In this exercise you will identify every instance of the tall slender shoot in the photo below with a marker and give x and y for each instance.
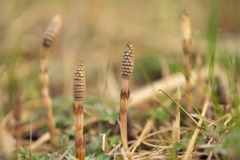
(48, 39)
(186, 33)
(126, 74)
(78, 116)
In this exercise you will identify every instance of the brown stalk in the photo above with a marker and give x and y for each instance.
(126, 74)
(48, 38)
(186, 31)
(17, 117)
(78, 115)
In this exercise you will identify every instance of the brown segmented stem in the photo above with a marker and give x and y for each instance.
(126, 74)
(79, 83)
(78, 115)
(186, 33)
(48, 38)
(127, 62)
(52, 31)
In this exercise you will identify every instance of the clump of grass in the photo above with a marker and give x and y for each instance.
(48, 39)
(126, 74)
(78, 116)
(186, 33)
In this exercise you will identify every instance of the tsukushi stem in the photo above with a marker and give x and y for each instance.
(48, 38)
(186, 31)
(126, 74)
(78, 116)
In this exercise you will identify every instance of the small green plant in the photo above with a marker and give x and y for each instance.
(24, 153)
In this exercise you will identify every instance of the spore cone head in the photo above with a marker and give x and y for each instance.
(79, 83)
(52, 31)
(127, 62)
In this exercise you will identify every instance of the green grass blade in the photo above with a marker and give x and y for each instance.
(194, 106)
(212, 38)
(160, 90)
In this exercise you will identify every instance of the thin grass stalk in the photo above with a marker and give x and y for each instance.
(78, 115)
(147, 128)
(176, 123)
(48, 38)
(17, 117)
(178, 107)
(160, 90)
(30, 146)
(171, 113)
(186, 31)
(126, 74)
(175, 137)
(63, 145)
(194, 136)
(238, 73)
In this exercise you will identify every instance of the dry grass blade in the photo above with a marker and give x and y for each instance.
(194, 137)
(145, 130)
(65, 153)
(175, 134)
(212, 122)
(114, 149)
(176, 123)
(105, 146)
